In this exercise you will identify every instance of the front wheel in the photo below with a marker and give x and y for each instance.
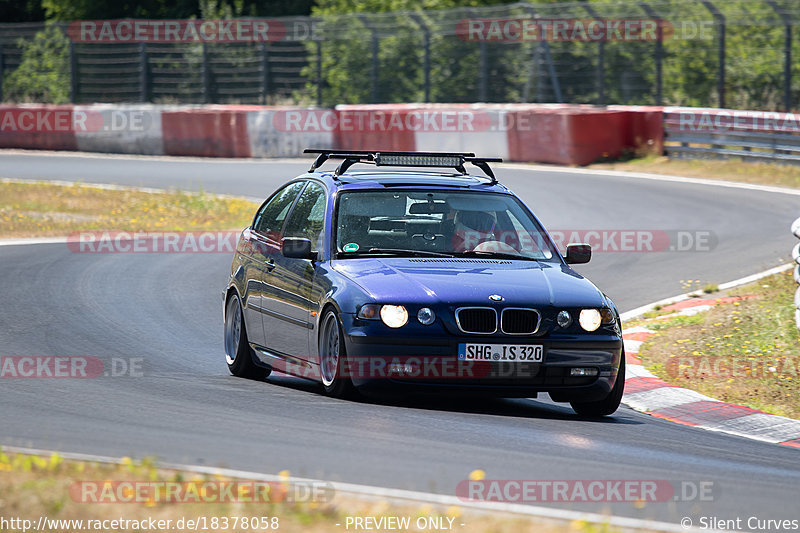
(610, 403)
(333, 358)
(237, 350)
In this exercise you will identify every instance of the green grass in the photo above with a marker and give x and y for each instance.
(746, 352)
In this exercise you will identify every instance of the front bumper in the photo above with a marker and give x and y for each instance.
(429, 363)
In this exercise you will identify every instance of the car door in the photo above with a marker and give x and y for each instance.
(288, 297)
(263, 245)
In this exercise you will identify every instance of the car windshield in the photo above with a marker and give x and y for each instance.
(438, 223)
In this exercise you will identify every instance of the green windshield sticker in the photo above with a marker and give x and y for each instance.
(350, 247)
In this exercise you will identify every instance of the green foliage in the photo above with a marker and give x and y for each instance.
(167, 9)
(43, 75)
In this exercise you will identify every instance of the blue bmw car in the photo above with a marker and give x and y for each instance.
(424, 279)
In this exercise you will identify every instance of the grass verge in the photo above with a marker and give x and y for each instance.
(730, 169)
(33, 486)
(44, 210)
(746, 352)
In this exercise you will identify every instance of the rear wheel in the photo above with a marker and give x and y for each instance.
(333, 358)
(610, 403)
(238, 354)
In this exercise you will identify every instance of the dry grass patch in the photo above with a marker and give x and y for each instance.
(746, 352)
(42, 210)
(33, 486)
(730, 169)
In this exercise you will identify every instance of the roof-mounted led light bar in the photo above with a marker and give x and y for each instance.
(454, 160)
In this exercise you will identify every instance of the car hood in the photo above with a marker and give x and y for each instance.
(470, 281)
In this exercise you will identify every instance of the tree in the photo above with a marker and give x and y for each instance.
(43, 74)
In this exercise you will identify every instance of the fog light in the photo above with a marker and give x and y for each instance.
(401, 368)
(564, 319)
(582, 372)
(426, 316)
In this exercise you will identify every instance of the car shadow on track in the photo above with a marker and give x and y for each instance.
(510, 407)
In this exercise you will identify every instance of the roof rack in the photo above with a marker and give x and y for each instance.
(383, 158)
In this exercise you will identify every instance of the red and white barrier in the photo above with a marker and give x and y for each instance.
(120, 129)
(548, 133)
(286, 132)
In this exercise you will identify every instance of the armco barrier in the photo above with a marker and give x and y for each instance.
(723, 133)
(547, 133)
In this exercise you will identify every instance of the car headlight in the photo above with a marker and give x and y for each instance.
(426, 316)
(564, 319)
(590, 319)
(394, 316)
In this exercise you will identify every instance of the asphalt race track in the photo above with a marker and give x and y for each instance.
(166, 309)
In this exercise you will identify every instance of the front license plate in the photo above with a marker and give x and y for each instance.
(500, 352)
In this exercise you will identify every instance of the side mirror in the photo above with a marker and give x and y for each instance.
(297, 248)
(578, 253)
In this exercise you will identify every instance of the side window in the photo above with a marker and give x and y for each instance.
(270, 217)
(307, 218)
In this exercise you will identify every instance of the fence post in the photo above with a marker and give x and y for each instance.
(787, 68)
(786, 16)
(796, 258)
(319, 73)
(483, 65)
(426, 58)
(206, 71)
(720, 20)
(375, 50)
(600, 71)
(264, 72)
(73, 74)
(659, 51)
(144, 78)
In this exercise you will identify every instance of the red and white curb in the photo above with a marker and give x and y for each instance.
(649, 394)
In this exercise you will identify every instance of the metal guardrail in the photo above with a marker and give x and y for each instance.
(753, 136)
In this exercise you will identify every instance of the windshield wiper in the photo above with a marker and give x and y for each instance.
(394, 251)
(498, 255)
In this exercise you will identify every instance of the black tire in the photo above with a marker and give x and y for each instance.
(238, 354)
(333, 358)
(610, 403)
